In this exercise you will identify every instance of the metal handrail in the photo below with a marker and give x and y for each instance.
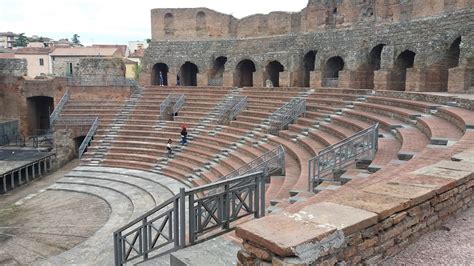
(286, 114)
(267, 163)
(164, 228)
(237, 109)
(57, 111)
(342, 154)
(27, 171)
(89, 136)
(179, 103)
(178, 99)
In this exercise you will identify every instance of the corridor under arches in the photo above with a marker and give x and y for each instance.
(308, 66)
(404, 61)
(331, 71)
(244, 73)
(188, 74)
(155, 76)
(272, 71)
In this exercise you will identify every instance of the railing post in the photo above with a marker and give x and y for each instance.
(176, 221)
(226, 202)
(117, 249)
(182, 217)
(145, 239)
(191, 219)
(261, 194)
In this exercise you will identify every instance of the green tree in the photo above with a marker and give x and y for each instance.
(21, 41)
(75, 38)
(138, 71)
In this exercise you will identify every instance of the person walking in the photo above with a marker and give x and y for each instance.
(161, 79)
(168, 147)
(184, 135)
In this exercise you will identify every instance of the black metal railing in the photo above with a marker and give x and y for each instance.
(342, 154)
(189, 218)
(57, 111)
(87, 140)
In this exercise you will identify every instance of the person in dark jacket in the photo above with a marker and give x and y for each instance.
(184, 135)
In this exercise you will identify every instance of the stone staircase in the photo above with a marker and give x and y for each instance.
(104, 144)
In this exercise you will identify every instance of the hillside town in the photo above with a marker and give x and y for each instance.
(48, 58)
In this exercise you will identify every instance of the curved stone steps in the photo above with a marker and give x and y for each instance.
(141, 200)
(156, 191)
(462, 118)
(420, 106)
(438, 130)
(388, 150)
(167, 183)
(403, 114)
(412, 142)
(97, 249)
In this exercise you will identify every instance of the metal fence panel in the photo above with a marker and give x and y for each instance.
(8, 132)
(340, 155)
(88, 138)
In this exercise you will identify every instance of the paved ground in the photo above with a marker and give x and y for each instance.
(36, 224)
(451, 245)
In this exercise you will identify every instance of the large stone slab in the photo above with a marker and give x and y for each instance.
(442, 171)
(345, 218)
(383, 205)
(465, 156)
(282, 234)
(415, 193)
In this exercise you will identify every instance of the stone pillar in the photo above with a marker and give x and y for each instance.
(202, 80)
(382, 80)
(460, 79)
(415, 79)
(294, 79)
(345, 79)
(315, 79)
(258, 79)
(228, 79)
(145, 79)
(285, 80)
(172, 78)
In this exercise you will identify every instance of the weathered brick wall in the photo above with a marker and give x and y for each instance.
(367, 243)
(61, 64)
(13, 67)
(430, 39)
(319, 15)
(100, 71)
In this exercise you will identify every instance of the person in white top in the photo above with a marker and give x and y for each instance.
(168, 147)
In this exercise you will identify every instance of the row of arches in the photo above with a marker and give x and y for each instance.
(201, 24)
(243, 74)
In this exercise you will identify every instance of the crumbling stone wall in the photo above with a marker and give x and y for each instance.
(13, 67)
(319, 15)
(429, 39)
(100, 71)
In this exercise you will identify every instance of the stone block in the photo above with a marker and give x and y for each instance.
(283, 233)
(258, 252)
(415, 193)
(345, 218)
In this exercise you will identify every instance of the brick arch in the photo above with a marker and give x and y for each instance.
(244, 70)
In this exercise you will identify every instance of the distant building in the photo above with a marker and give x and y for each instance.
(7, 39)
(65, 60)
(137, 56)
(123, 49)
(130, 68)
(137, 45)
(37, 58)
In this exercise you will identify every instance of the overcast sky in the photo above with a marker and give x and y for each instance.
(113, 21)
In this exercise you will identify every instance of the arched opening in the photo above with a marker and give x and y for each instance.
(159, 74)
(244, 73)
(404, 61)
(201, 24)
(169, 24)
(375, 59)
(188, 74)
(331, 71)
(273, 70)
(454, 53)
(308, 66)
(216, 74)
(39, 108)
(77, 143)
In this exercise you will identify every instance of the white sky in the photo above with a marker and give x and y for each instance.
(113, 21)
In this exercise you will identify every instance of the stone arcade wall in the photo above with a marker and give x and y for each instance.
(13, 67)
(429, 38)
(319, 15)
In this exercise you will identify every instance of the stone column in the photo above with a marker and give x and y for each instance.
(202, 80)
(460, 79)
(172, 78)
(415, 79)
(228, 79)
(285, 80)
(258, 79)
(315, 79)
(382, 80)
